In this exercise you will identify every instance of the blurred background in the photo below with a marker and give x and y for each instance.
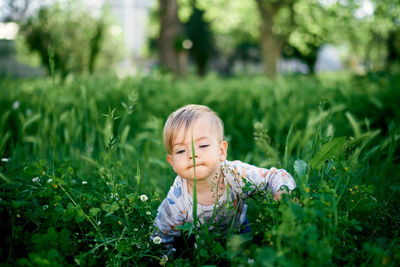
(198, 37)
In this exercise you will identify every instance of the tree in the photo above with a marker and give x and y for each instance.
(199, 32)
(12, 10)
(271, 39)
(79, 42)
(172, 54)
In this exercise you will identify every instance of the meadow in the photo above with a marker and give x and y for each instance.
(78, 156)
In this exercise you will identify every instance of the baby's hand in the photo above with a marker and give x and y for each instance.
(278, 194)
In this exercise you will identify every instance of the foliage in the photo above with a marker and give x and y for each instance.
(77, 158)
(74, 36)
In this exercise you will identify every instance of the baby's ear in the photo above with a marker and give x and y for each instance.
(223, 146)
(169, 159)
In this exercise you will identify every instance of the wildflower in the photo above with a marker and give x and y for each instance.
(119, 222)
(157, 240)
(346, 169)
(164, 260)
(135, 229)
(143, 198)
(84, 182)
(350, 189)
(385, 260)
(45, 207)
(50, 180)
(356, 187)
(55, 186)
(36, 180)
(250, 261)
(5, 159)
(99, 222)
(308, 190)
(18, 216)
(148, 212)
(16, 104)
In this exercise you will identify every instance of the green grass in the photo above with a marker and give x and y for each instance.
(79, 154)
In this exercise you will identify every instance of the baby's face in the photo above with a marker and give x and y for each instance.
(208, 150)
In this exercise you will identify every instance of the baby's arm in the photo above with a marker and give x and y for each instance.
(169, 215)
(263, 179)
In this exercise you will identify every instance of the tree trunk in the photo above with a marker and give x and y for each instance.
(172, 54)
(271, 44)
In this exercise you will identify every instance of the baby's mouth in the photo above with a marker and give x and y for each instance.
(197, 165)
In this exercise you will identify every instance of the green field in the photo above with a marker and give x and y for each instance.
(77, 155)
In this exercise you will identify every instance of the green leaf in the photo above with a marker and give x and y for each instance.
(80, 215)
(31, 120)
(327, 151)
(354, 124)
(94, 211)
(300, 167)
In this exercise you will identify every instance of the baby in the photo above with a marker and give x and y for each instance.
(218, 181)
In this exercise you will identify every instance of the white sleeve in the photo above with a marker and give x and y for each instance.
(252, 179)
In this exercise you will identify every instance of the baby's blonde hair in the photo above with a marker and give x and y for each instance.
(186, 116)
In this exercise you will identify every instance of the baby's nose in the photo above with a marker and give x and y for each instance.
(191, 154)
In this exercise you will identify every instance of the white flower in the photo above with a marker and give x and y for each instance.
(16, 104)
(50, 180)
(5, 159)
(157, 240)
(143, 198)
(148, 212)
(250, 261)
(36, 179)
(135, 229)
(164, 260)
(84, 182)
(99, 222)
(45, 207)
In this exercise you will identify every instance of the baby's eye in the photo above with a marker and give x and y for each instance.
(180, 151)
(204, 146)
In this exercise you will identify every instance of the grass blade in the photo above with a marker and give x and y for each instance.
(327, 150)
(194, 189)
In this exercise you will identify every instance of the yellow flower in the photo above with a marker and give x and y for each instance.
(350, 189)
(55, 186)
(308, 190)
(385, 260)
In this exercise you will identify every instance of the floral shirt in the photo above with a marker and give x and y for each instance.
(240, 179)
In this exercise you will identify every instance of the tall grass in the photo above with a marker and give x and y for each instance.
(94, 143)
